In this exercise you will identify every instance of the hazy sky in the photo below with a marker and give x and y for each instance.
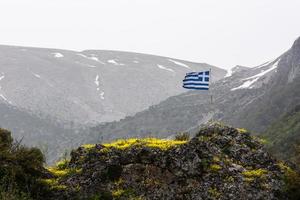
(223, 33)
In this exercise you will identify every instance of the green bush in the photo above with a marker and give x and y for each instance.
(20, 169)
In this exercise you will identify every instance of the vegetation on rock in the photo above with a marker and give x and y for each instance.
(220, 162)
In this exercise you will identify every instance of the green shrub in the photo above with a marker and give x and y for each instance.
(292, 182)
(20, 169)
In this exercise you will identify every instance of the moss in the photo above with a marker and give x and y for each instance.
(229, 179)
(215, 167)
(119, 182)
(292, 181)
(284, 168)
(53, 184)
(57, 172)
(216, 159)
(120, 193)
(162, 144)
(214, 193)
(62, 164)
(151, 182)
(105, 150)
(248, 179)
(242, 130)
(256, 173)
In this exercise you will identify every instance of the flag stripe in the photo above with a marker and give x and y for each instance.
(191, 75)
(195, 88)
(196, 83)
(191, 79)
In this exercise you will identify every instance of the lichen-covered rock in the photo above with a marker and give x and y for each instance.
(220, 162)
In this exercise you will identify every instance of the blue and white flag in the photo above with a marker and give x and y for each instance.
(197, 80)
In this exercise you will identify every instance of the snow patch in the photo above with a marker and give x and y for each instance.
(179, 63)
(58, 55)
(253, 79)
(274, 66)
(165, 68)
(1, 95)
(229, 73)
(102, 95)
(2, 76)
(97, 80)
(92, 57)
(96, 59)
(111, 61)
(246, 84)
(82, 55)
(36, 75)
(135, 61)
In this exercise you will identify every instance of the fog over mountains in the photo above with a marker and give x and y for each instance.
(252, 98)
(59, 99)
(90, 86)
(49, 97)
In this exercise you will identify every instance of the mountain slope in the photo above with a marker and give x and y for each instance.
(250, 97)
(90, 86)
(52, 137)
(283, 136)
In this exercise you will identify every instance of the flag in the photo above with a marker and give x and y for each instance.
(197, 80)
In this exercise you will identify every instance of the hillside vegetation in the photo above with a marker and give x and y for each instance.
(283, 136)
(220, 162)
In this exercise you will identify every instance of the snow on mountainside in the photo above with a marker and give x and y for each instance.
(90, 86)
(49, 97)
(247, 97)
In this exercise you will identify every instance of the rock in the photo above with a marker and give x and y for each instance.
(220, 162)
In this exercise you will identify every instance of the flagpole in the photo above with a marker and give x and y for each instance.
(210, 80)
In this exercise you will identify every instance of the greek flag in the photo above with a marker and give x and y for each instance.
(197, 80)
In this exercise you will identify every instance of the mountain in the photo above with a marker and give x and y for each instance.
(220, 162)
(91, 86)
(249, 97)
(51, 137)
(49, 97)
(283, 136)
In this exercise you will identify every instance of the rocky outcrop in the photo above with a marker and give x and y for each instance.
(220, 162)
